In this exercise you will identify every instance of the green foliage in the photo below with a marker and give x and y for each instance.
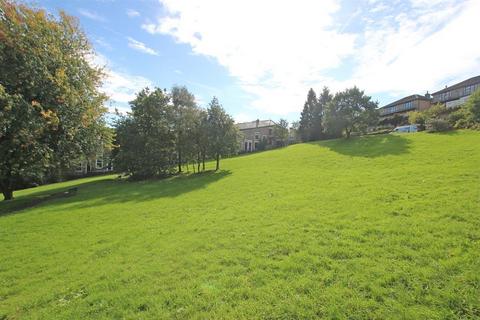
(418, 118)
(23, 156)
(468, 116)
(146, 142)
(311, 125)
(222, 132)
(45, 73)
(306, 117)
(350, 110)
(280, 132)
(438, 125)
(185, 110)
(380, 227)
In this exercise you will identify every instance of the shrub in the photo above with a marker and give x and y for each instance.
(468, 116)
(418, 118)
(438, 125)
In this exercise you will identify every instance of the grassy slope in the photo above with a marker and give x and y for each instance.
(378, 227)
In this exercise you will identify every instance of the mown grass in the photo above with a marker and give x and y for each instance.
(384, 227)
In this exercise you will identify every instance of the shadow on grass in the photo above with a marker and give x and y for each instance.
(369, 146)
(107, 191)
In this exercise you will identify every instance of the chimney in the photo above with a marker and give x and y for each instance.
(257, 122)
(427, 95)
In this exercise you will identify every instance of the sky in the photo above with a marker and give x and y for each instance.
(259, 58)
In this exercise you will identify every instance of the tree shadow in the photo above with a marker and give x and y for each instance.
(101, 192)
(369, 146)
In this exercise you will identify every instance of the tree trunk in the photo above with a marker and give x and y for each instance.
(7, 194)
(347, 133)
(218, 162)
(203, 162)
(179, 161)
(198, 162)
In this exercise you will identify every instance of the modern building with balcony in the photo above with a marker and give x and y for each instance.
(402, 106)
(457, 94)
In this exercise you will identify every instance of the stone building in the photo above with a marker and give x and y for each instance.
(257, 135)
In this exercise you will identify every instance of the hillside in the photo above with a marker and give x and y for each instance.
(376, 227)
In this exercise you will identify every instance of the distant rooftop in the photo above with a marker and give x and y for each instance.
(407, 99)
(255, 124)
(465, 83)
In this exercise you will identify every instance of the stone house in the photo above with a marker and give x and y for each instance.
(256, 135)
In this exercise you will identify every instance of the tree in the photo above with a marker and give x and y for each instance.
(306, 118)
(184, 107)
(222, 132)
(200, 134)
(351, 110)
(280, 132)
(52, 92)
(318, 113)
(145, 137)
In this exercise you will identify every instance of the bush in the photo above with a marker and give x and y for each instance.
(438, 125)
(419, 118)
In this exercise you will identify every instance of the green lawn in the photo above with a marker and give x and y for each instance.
(384, 227)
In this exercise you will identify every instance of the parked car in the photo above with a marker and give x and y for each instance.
(410, 128)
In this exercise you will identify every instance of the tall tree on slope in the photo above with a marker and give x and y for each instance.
(306, 118)
(222, 132)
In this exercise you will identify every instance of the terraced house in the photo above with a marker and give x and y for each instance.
(257, 135)
(456, 95)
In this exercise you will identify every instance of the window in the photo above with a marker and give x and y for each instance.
(99, 163)
(468, 90)
(270, 131)
(257, 135)
(409, 105)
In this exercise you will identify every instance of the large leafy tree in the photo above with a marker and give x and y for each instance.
(51, 108)
(184, 107)
(222, 132)
(145, 137)
(350, 110)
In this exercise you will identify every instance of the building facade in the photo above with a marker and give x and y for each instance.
(414, 102)
(456, 95)
(256, 135)
(102, 163)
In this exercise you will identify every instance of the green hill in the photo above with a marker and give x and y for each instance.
(377, 227)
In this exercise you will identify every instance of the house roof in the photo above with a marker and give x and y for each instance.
(464, 83)
(407, 99)
(253, 124)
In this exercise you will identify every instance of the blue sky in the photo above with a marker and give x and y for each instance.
(261, 57)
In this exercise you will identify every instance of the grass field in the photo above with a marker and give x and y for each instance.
(384, 227)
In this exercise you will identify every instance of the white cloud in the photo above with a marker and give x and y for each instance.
(279, 49)
(132, 13)
(242, 117)
(416, 52)
(91, 15)
(140, 46)
(121, 87)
